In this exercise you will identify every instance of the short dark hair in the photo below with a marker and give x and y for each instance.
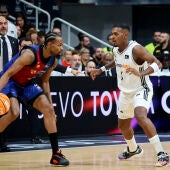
(123, 26)
(74, 52)
(24, 39)
(89, 62)
(80, 36)
(41, 33)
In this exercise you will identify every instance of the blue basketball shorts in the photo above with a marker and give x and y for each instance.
(28, 92)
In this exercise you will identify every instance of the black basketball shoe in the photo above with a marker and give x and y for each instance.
(59, 159)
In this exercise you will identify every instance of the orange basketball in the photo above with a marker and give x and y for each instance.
(4, 104)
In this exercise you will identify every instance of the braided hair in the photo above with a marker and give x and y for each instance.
(50, 37)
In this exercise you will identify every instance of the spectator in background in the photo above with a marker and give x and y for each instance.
(33, 35)
(61, 70)
(97, 57)
(75, 64)
(109, 40)
(85, 57)
(106, 58)
(18, 31)
(57, 30)
(151, 46)
(84, 42)
(12, 31)
(162, 52)
(80, 38)
(41, 37)
(23, 23)
(90, 65)
(67, 57)
(25, 41)
(10, 42)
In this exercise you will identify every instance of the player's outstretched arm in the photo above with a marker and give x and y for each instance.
(97, 72)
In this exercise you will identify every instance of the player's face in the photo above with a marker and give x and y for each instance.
(117, 36)
(57, 46)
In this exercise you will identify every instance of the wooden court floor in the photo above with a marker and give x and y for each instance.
(82, 158)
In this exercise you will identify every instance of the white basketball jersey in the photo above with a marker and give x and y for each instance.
(129, 83)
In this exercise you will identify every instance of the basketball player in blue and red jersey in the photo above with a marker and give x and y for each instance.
(19, 79)
(133, 66)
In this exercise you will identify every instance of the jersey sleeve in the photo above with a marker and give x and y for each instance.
(31, 49)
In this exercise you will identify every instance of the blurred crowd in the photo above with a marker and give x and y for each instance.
(85, 56)
(160, 48)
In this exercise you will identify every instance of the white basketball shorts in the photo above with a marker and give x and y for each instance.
(128, 102)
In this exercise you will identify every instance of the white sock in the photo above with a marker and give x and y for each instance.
(155, 141)
(132, 144)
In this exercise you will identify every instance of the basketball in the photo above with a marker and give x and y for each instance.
(4, 104)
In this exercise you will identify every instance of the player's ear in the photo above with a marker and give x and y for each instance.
(126, 34)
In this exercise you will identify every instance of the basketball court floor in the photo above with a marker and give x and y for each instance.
(85, 153)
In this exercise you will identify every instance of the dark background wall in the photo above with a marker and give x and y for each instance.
(149, 18)
(98, 20)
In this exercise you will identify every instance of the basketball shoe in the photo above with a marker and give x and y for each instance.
(163, 159)
(59, 159)
(127, 154)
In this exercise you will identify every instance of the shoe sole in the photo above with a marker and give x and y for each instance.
(165, 163)
(58, 165)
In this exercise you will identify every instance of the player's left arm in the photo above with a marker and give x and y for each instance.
(45, 81)
(141, 55)
(26, 58)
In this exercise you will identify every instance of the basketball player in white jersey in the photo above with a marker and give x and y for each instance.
(134, 65)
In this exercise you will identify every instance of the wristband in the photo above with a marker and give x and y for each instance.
(103, 68)
(155, 67)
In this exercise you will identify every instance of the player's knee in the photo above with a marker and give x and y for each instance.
(14, 113)
(49, 111)
(141, 116)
